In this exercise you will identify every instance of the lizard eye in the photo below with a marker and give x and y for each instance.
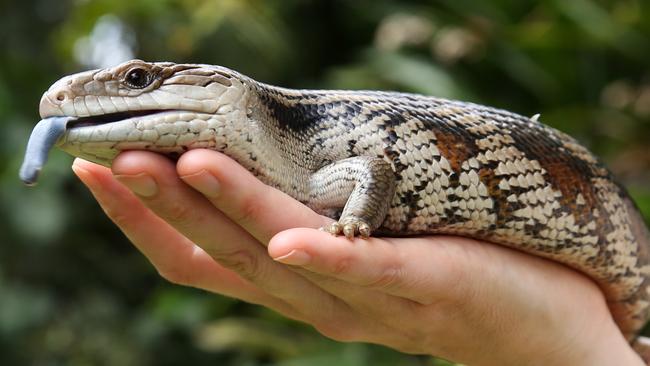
(137, 78)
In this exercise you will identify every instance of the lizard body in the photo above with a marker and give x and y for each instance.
(379, 162)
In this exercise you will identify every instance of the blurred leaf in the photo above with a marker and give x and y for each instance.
(21, 308)
(642, 198)
(248, 335)
(387, 70)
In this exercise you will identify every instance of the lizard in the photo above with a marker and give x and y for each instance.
(377, 162)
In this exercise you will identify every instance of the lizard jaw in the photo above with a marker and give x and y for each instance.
(169, 132)
(108, 118)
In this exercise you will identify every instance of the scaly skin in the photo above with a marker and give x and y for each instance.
(391, 163)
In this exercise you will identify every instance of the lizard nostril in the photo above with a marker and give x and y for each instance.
(52, 101)
(61, 96)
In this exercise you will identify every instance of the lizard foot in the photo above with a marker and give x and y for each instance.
(349, 229)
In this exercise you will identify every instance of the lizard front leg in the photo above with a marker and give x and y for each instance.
(363, 186)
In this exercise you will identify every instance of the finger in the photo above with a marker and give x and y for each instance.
(262, 210)
(423, 270)
(157, 184)
(255, 207)
(175, 257)
(369, 289)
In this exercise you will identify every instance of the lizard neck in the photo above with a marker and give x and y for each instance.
(274, 138)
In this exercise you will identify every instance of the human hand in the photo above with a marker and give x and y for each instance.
(205, 221)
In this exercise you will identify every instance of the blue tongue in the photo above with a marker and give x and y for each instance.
(43, 137)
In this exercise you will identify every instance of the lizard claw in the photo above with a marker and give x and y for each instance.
(334, 228)
(364, 230)
(349, 229)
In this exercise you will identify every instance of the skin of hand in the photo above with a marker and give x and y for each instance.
(206, 222)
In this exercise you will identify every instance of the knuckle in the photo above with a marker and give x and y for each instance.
(242, 261)
(248, 210)
(337, 330)
(409, 336)
(125, 213)
(389, 278)
(335, 322)
(119, 217)
(176, 275)
(414, 339)
(342, 266)
(178, 212)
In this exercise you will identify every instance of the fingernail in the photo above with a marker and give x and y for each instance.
(77, 169)
(203, 182)
(86, 178)
(140, 184)
(295, 257)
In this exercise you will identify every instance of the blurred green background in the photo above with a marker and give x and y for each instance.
(73, 291)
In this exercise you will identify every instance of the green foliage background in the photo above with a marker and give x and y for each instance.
(73, 291)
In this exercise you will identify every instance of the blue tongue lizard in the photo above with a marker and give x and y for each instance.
(43, 137)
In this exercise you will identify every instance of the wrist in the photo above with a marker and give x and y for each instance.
(604, 348)
(611, 349)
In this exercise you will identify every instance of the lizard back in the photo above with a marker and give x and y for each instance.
(485, 173)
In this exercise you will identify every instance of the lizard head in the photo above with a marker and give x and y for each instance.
(160, 106)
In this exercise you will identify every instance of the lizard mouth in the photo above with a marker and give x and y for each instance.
(101, 119)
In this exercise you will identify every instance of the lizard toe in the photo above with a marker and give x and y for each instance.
(334, 228)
